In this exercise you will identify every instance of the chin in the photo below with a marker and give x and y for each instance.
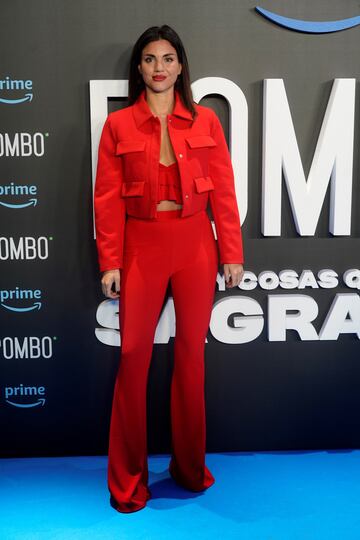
(158, 89)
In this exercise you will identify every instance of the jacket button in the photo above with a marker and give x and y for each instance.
(186, 196)
(180, 155)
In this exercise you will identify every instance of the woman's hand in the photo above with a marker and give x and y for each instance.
(108, 278)
(233, 274)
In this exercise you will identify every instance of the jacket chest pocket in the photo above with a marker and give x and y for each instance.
(133, 156)
(197, 142)
(129, 147)
(198, 150)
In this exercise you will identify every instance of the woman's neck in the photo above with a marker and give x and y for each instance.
(161, 104)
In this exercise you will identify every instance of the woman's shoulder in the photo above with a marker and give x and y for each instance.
(120, 120)
(206, 115)
(120, 114)
(203, 111)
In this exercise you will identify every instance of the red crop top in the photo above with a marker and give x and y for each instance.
(169, 183)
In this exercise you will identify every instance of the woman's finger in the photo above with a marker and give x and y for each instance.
(117, 283)
(233, 274)
(108, 280)
(226, 272)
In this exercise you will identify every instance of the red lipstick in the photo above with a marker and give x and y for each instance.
(159, 77)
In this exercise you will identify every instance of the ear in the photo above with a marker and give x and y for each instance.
(139, 68)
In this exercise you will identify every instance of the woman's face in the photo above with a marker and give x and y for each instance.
(159, 65)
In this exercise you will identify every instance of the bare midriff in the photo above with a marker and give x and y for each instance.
(168, 205)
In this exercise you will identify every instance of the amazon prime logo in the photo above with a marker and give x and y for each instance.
(34, 396)
(311, 27)
(13, 191)
(13, 300)
(19, 85)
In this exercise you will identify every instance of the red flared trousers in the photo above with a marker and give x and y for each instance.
(182, 250)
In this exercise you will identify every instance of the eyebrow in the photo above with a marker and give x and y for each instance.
(167, 54)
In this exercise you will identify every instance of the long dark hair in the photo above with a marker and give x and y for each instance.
(182, 84)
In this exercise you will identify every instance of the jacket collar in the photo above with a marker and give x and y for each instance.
(142, 111)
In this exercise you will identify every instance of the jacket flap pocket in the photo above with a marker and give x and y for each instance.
(133, 188)
(203, 183)
(200, 141)
(123, 147)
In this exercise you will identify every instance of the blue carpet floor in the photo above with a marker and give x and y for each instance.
(256, 496)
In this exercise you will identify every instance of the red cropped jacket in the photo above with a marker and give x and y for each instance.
(127, 175)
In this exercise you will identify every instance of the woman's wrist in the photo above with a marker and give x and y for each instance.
(110, 270)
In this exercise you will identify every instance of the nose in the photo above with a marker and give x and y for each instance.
(159, 65)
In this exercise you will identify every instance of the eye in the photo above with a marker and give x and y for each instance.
(148, 59)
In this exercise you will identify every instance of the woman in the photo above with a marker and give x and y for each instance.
(160, 161)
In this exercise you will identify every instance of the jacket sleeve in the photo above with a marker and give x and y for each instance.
(109, 207)
(223, 201)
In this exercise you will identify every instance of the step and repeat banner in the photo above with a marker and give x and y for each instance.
(282, 351)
